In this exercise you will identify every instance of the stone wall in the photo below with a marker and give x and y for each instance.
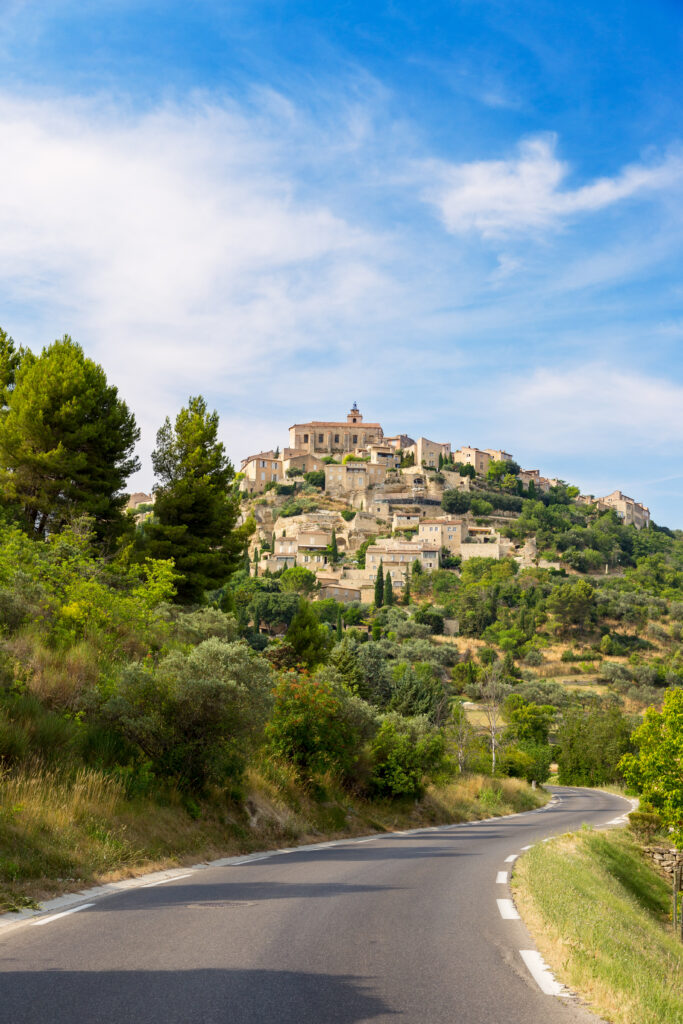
(665, 858)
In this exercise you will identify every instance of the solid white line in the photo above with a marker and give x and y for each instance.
(527, 847)
(502, 877)
(617, 821)
(508, 911)
(64, 913)
(163, 881)
(541, 974)
(511, 859)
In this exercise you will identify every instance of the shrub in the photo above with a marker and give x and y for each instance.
(195, 716)
(308, 726)
(404, 754)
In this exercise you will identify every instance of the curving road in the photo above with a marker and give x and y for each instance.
(404, 927)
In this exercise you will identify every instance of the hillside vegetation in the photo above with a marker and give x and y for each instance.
(151, 686)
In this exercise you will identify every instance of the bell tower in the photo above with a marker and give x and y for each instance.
(354, 416)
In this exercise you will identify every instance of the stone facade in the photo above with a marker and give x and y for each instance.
(331, 436)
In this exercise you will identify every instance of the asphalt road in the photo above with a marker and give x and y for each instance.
(398, 928)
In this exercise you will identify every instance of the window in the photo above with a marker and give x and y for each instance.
(263, 476)
(354, 439)
(320, 438)
(336, 438)
(305, 438)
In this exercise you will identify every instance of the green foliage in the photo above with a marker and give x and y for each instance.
(591, 746)
(195, 512)
(316, 478)
(388, 590)
(310, 725)
(480, 507)
(454, 501)
(348, 514)
(405, 753)
(417, 690)
(379, 586)
(656, 771)
(573, 604)
(308, 637)
(194, 717)
(297, 580)
(66, 440)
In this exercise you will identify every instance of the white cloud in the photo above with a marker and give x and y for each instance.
(525, 192)
(177, 246)
(595, 409)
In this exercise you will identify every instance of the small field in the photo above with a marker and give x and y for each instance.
(600, 916)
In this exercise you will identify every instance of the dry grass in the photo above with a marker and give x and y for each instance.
(60, 833)
(598, 913)
(56, 677)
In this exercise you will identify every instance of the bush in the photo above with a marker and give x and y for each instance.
(404, 754)
(316, 478)
(196, 716)
(308, 726)
(455, 501)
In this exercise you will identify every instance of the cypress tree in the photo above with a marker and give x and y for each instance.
(406, 590)
(334, 550)
(340, 627)
(388, 590)
(379, 586)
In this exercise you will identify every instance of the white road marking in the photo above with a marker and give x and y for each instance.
(527, 847)
(541, 974)
(511, 859)
(508, 911)
(502, 877)
(163, 881)
(356, 841)
(617, 821)
(64, 913)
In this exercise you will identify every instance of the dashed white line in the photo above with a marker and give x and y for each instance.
(502, 877)
(163, 881)
(539, 971)
(508, 911)
(64, 913)
(511, 859)
(527, 847)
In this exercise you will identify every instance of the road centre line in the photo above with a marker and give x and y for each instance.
(539, 971)
(501, 878)
(64, 913)
(508, 911)
(163, 881)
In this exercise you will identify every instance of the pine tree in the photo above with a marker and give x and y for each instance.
(308, 636)
(66, 439)
(379, 586)
(388, 590)
(195, 510)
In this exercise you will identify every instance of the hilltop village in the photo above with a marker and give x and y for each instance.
(343, 497)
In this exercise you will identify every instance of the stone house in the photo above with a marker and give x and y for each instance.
(446, 533)
(353, 476)
(630, 511)
(260, 470)
(427, 452)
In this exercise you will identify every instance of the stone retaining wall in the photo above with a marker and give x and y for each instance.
(665, 858)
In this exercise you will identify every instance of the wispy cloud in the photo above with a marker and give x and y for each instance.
(496, 198)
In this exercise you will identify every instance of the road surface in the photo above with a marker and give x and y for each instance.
(404, 928)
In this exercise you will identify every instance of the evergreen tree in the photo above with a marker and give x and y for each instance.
(388, 590)
(66, 439)
(340, 625)
(195, 510)
(307, 636)
(379, 586)
(334, 550)
(406, 590)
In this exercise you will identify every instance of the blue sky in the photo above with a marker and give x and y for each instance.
(466, 216)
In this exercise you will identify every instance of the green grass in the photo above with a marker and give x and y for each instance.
(61, 831)
(601, 917)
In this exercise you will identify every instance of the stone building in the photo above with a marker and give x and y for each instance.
(260, 470)
(330, 437)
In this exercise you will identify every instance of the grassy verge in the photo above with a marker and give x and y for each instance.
(600, 916)
(59, 833)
